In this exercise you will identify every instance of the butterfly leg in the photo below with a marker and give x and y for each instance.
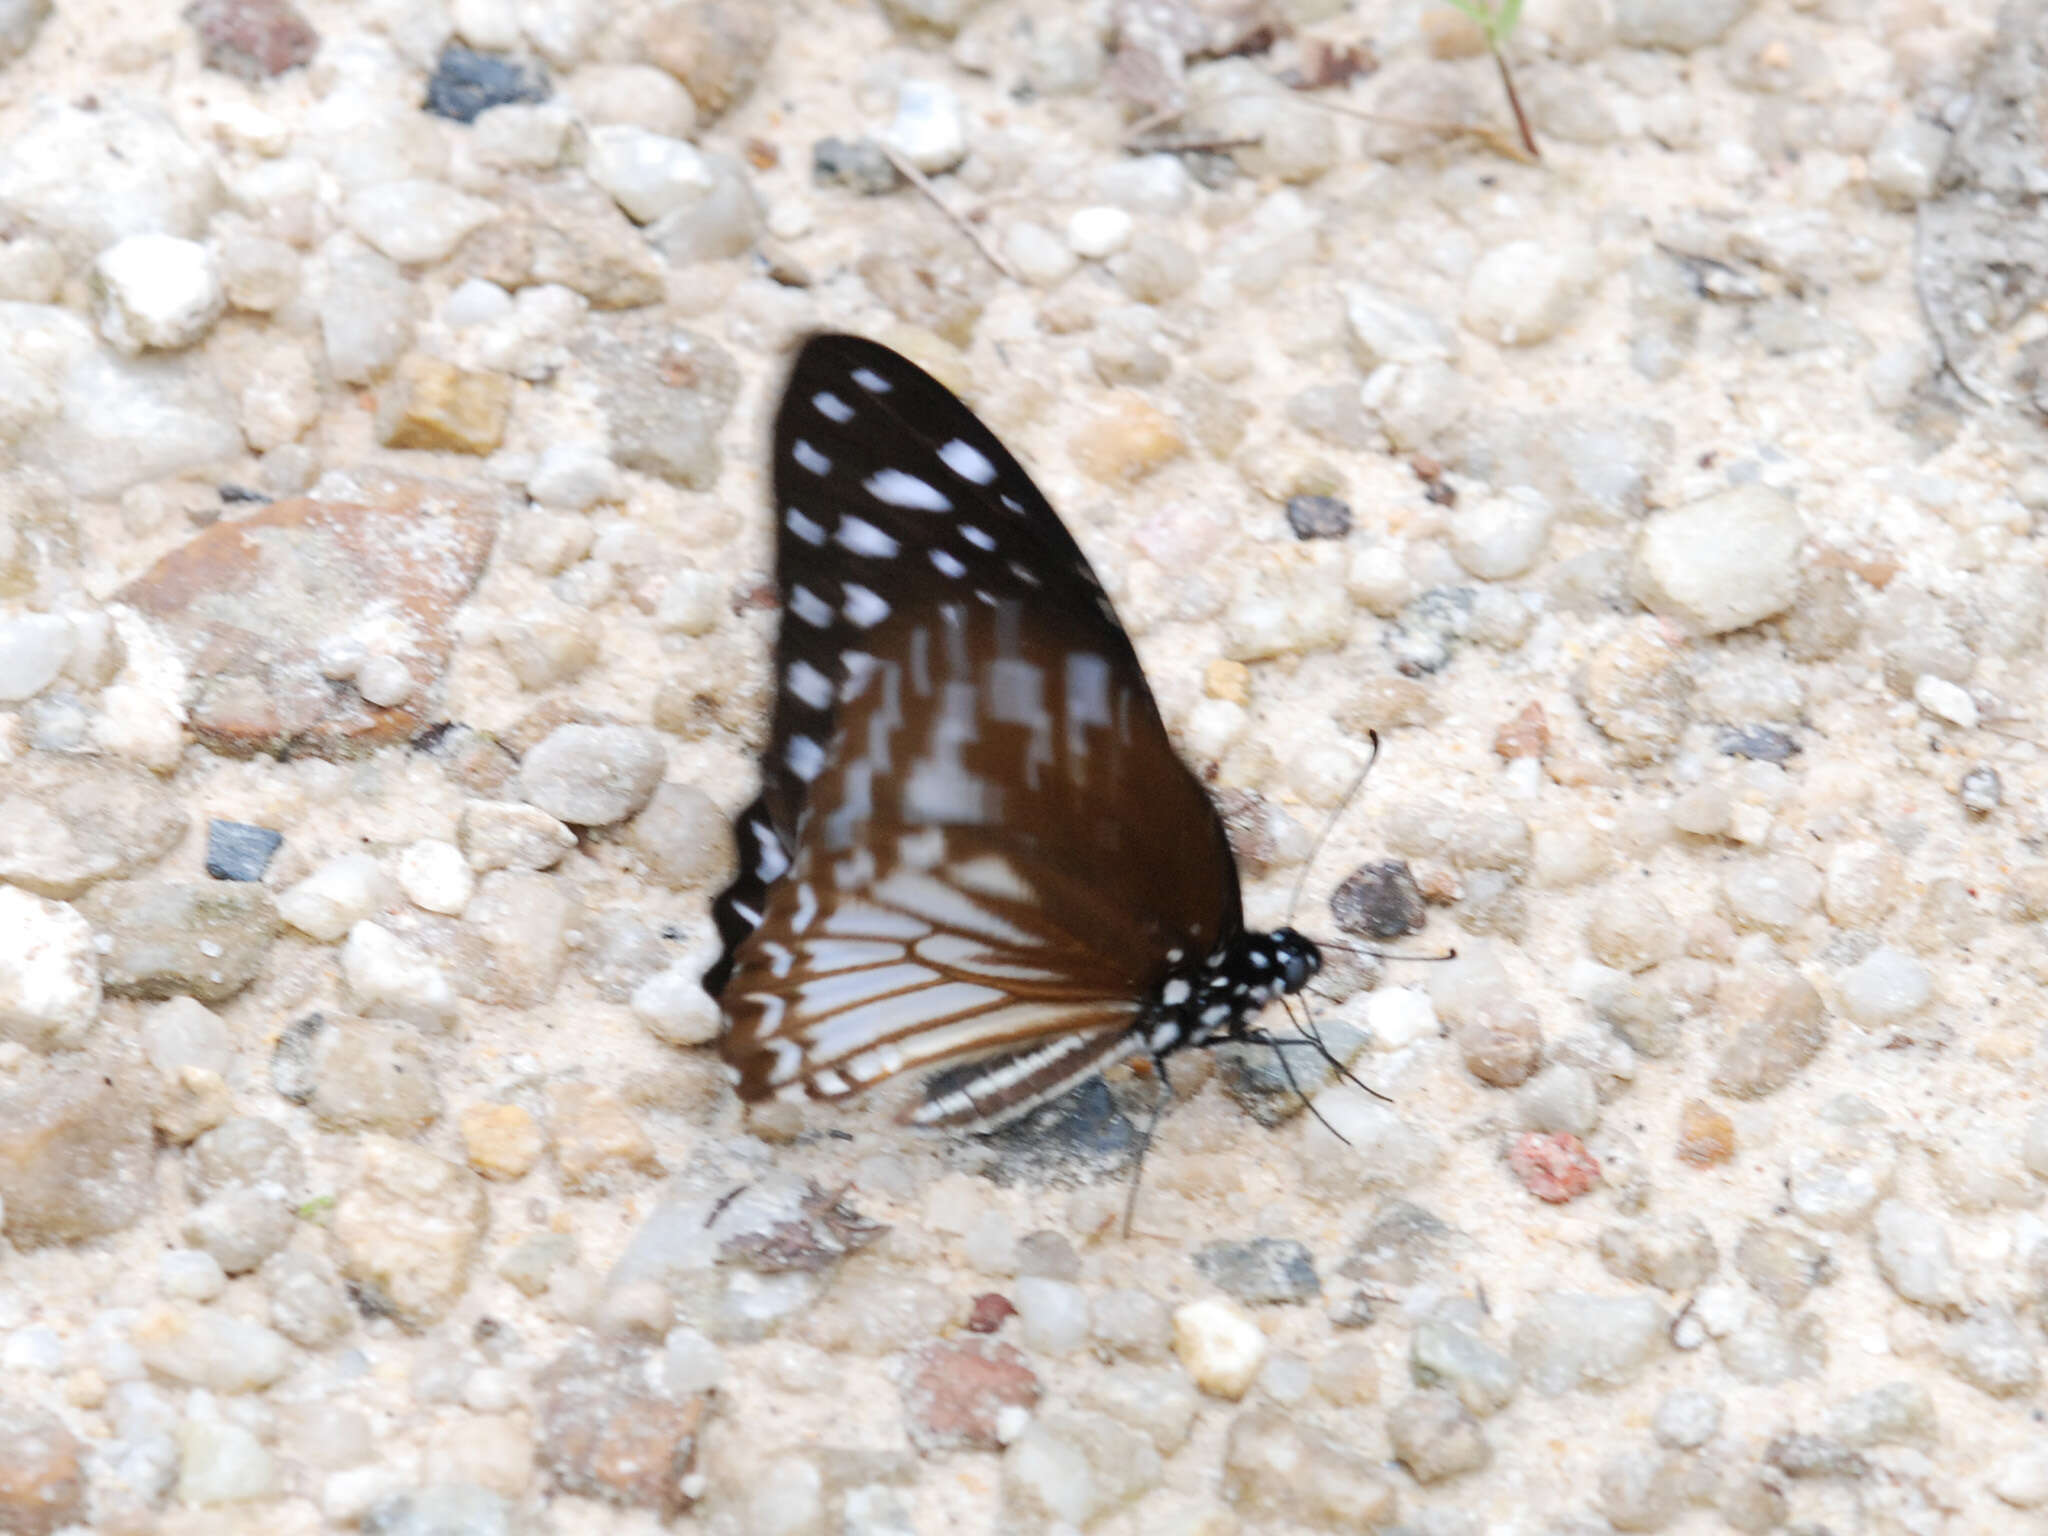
(1159, 1102)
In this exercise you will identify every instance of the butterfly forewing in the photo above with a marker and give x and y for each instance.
(973, 836)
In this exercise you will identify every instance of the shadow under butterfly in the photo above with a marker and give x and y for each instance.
(975, 852)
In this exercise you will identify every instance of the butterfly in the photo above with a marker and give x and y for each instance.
(975, 850)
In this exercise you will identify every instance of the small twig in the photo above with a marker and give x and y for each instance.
(923, 183)
(1507, 81)
(1492, 137)
(1189, 146)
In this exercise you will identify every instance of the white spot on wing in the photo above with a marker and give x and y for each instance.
(905, 490)
(1174, 993)
(809, 684)
(810, 532)
(967, 461)
(773, 860)
(948, 564)
(871, 381)
(809, 607)
(830, 405)
(980, 538)
(864, 538)
(805, 757)
(864, 606)
(809, 457)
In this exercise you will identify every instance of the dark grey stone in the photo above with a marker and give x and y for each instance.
(235, 850)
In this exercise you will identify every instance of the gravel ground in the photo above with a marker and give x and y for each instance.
(383, 622)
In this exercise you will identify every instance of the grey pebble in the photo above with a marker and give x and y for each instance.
(1981, 792)
(235, 850)
(467, 83)
(1261, 1269)
(1436, 1437)
(859, 165)
(1318, 517)
(1760, 743)
(1379, 901)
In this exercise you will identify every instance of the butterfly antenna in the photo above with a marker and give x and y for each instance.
(1329, 826)
(1145, 1144)
(1385, 954)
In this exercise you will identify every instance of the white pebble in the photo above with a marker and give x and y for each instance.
(1052, 1313)
(436, 876)
(415, 221)
(2021, 1480)
(1886, 987)
(391, 978)
(1913, 1255)
(477, 301)
(1722, 563)
(222, 1463)
(183, 1033)
(38, 1350)
(572, 477)
(647, 174)
(691, 602)
(189, 1274)
(33, 650)
(156, 291)
(1039, 256)
(1099, 232)
(1220, 1345)
(1498, 537)
(385, 681)
(49, 972)
(1399, 1016)
(1526, 291)
(335, 897)
(673, 1006)
(928, 129)
(1945, 700)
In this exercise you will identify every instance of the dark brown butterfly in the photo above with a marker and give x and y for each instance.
(974, 843)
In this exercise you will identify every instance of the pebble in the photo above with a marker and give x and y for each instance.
(466, 83)
(1075, 1466)
(1219, 1345)
(1678, 25)
(33, 650)
(715, 48)
(665, 394)
(1526, 291)
(597, 1141)
(1500, 1041)
(1776, 1025)
(961, 1394)
(203, 1347)
(1398, 1017)
(2021, 1477)
(235, 850)
(1980, 791)
(366, 309)
(1945, 700)
(160, 938)
(1442, 1353)
(336, 896)
(1099, 231)
(1678, 1255)
(1913, 1255)
(496, 834)
(858, 165)
(1038, 255)
(1567, 1340)
(1635, 691)
(156, 292)
(1897, 1413)
(1496, 538)
(240, 1227)
(1265, 1269)
(593, 775)
(1990, 1352)
(1124, 443)
(410, 1228)
(222, 1463)
(1722, 563)
(435, 406)
(1554, 1167)
(1279, 1469)
(1561, 1099)
(49, 973)
(88, 178)
(42, 1474)
(435, 876)
(1885, 988)
(308, 1303)
(369, 1076)
(1318, 517)
(928, 129)
(256, 40)
(1837, 1186)
(647, 174)
(1687, 1419)
(1436, 1437)
(609, 1427)
(1379, 901)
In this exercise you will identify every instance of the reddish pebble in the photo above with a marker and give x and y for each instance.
(955, 1391)
(1705, 1135)
(991, 1309)
(1554, 1167)
(1527, 735)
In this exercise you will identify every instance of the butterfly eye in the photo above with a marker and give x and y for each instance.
(1299, 958)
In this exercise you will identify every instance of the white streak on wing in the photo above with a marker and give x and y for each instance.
(957, 952)
(780, 959)
(980, 538)
(986, 1031)
(809, 457)
(991, 874)
(947, 564)
(810, 532)
(872, 1065)
(864, 920)
(746, 914)
(864, 538)
(1016, 692)
(922, 850)
(831, 406)
(967, 461)
(809, 684)
(789, 1059)
(773, 860)
(806, 908)
(858, 1028)
(829, 994)
(1088, 679)
(829, 1084)
(822, 956)
(947, 906)
(864, 607)
(943, 790)
(772, 1009)
(871, 381)
(899, 489)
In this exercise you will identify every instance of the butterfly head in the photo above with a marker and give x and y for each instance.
(1296, 959)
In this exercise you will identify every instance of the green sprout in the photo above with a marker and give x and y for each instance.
(1496, 22)
(315, 1208)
